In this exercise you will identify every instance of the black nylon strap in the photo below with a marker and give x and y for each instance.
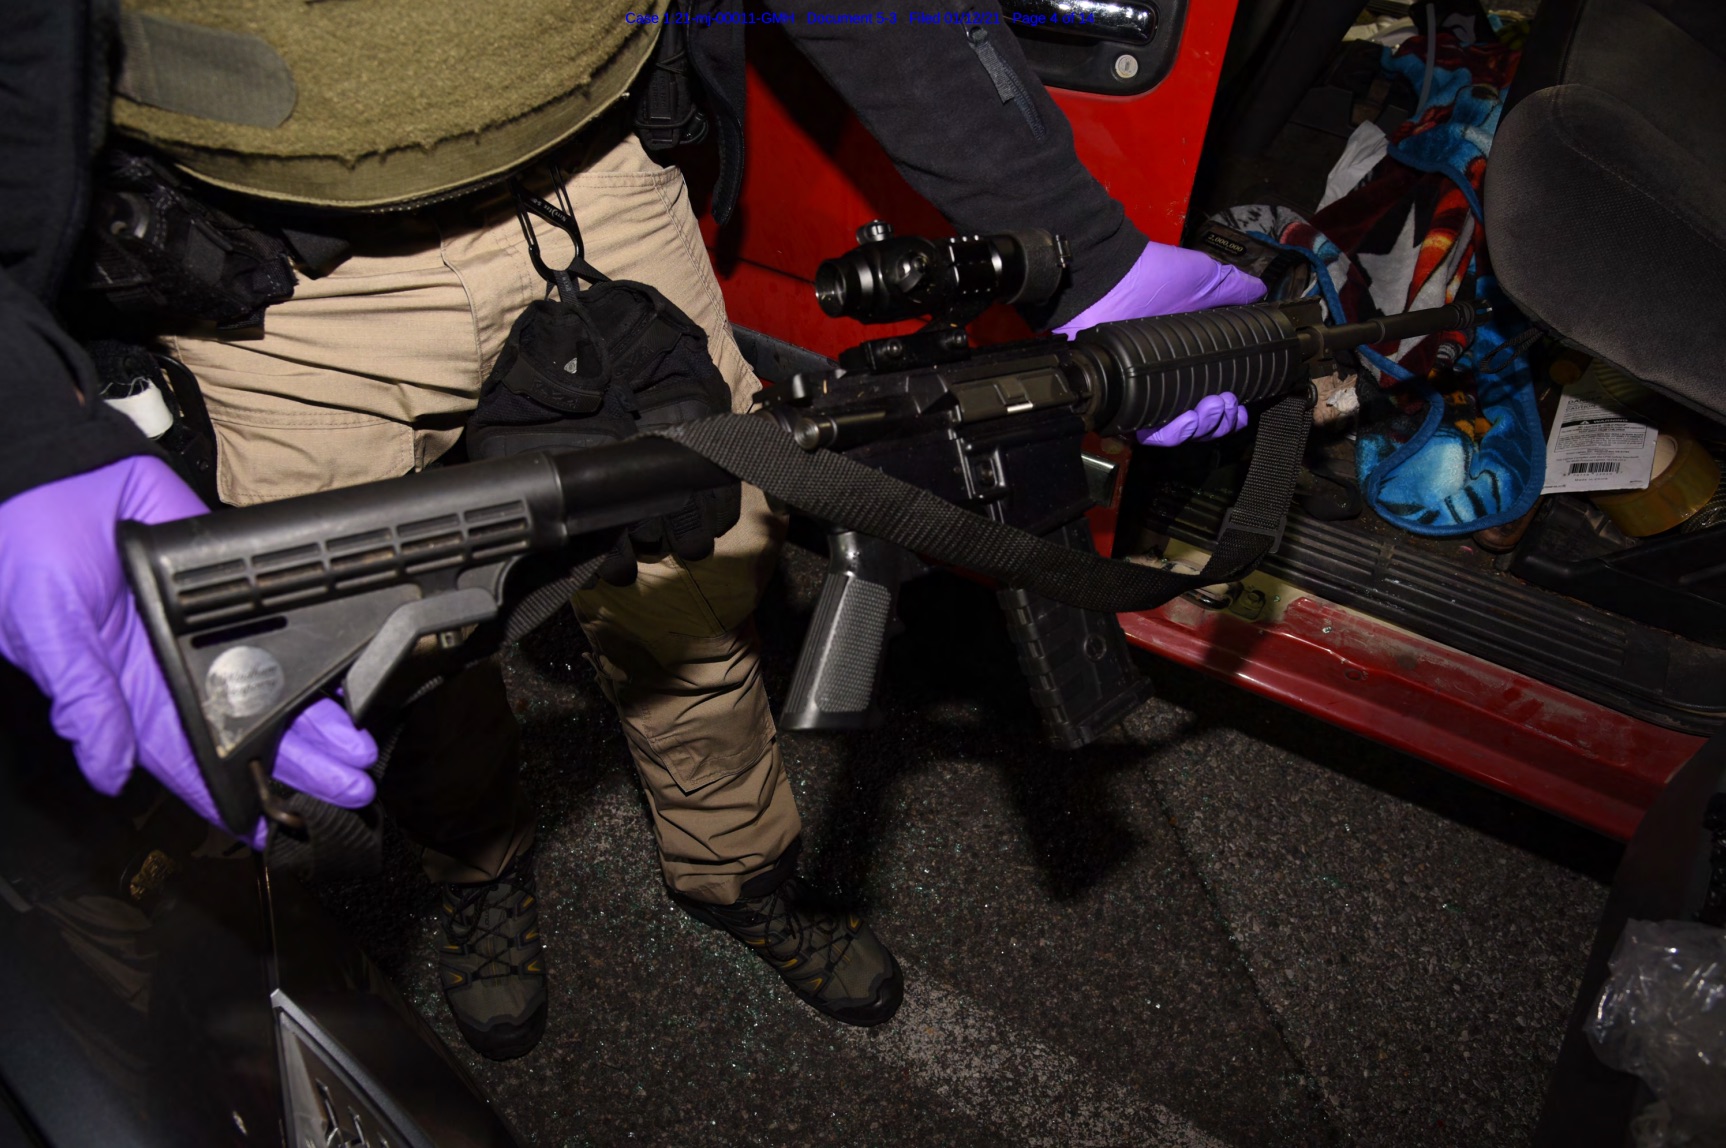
(336, 843)
(846, 493)
(344, 843)
(537, 608)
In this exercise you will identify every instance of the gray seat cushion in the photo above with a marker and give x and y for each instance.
(1606, 189)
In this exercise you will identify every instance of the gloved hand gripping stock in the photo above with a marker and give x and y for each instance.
(969, 458)
(72, 624)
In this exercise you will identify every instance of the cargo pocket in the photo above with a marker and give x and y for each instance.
(697, 710)
(265, 453)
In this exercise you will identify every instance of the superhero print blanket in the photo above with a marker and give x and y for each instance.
(1449, 440)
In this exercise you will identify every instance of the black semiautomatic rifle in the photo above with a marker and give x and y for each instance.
(915, 448)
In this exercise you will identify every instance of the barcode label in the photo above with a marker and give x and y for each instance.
(1595, 444)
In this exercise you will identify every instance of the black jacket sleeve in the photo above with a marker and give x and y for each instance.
(52, 97)
(55, 426)
(972, 129)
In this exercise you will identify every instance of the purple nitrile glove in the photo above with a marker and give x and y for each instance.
(1214, 417)
(1166, 281)
(68, 619)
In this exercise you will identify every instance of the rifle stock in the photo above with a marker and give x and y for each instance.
(252, 612)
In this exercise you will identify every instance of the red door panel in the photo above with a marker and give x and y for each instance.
(814, 174)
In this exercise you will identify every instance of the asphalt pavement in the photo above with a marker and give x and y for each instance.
(1226, 924)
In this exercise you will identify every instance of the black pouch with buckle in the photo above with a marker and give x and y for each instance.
(666, 114)
(157, 251)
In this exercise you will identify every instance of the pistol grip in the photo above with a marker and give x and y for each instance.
(833, 686)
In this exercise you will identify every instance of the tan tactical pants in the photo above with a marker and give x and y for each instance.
(370, 372)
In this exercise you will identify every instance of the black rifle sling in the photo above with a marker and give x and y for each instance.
(846, 493)
(851, 494)
(835, 488)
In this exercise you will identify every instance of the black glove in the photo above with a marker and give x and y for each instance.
(618, 360)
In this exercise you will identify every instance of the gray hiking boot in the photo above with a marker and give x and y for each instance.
(829, 958)
(491, 965)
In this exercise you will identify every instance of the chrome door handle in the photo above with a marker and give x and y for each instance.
(1114, 20)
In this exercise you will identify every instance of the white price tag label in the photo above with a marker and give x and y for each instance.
(1596, 444)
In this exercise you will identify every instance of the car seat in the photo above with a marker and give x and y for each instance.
(1606, 192)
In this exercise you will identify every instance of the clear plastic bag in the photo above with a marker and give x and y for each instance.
(1662, 1016)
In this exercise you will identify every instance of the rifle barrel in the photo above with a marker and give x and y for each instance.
(1459, 316)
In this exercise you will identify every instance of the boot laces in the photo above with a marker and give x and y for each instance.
(470, 923)
(784, 923)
